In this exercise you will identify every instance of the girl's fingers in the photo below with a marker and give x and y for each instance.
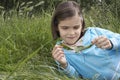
(106, 47)
(98, 39)
(94, 40)
(56, 46)
(57, 52)
(102, 42)
(60, 57)
(56, 55)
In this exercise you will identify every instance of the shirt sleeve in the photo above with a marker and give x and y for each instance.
(69, 71)
(113, 37)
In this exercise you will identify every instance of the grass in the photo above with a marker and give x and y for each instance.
(25, 49)
(26, 44)
(100, 18)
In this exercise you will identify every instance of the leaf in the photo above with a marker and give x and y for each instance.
(80, 48)
(65, 47)
(77, 48)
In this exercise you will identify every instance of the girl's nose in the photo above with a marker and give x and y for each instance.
(71, 32)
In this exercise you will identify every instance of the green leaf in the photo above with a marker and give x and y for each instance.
(65, 47)
(80, 48)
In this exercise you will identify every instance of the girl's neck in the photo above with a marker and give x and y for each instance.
(69, 45)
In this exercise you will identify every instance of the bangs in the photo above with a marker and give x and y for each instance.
(65, 13)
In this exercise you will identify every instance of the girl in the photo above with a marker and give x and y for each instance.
(92, 53)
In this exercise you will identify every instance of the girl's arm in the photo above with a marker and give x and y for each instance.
(69, 71)
(63, 65)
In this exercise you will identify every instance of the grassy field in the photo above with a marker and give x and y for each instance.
(26, 44)
(25, 49)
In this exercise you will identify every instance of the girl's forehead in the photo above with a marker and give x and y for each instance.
(70, 21)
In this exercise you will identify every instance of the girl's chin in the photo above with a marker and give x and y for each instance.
(71, 43)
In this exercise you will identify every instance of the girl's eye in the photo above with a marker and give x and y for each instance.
(76, 27)
(64, 28)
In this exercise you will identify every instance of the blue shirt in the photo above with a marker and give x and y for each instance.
(94, 63)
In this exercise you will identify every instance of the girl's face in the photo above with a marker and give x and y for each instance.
(70, 29)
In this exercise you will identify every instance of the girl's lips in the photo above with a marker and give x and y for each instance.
(71, 37)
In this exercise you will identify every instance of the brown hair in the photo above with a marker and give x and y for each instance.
(63, 11)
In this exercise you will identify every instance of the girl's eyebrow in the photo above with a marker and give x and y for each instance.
(71, 26)
(76, 25)
(64, 26)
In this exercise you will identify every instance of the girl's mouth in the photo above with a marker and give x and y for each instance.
(71, 37)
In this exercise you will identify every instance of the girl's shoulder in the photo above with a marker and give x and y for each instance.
(96, 30)
(93, 28)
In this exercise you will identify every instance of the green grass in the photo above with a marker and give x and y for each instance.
(26, 44)
(25, 49)
(104, 19)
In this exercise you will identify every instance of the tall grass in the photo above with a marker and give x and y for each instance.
(104, 18)
(25, 49)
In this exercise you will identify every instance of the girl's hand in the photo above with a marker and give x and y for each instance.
(58, 54)
(102, 42)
